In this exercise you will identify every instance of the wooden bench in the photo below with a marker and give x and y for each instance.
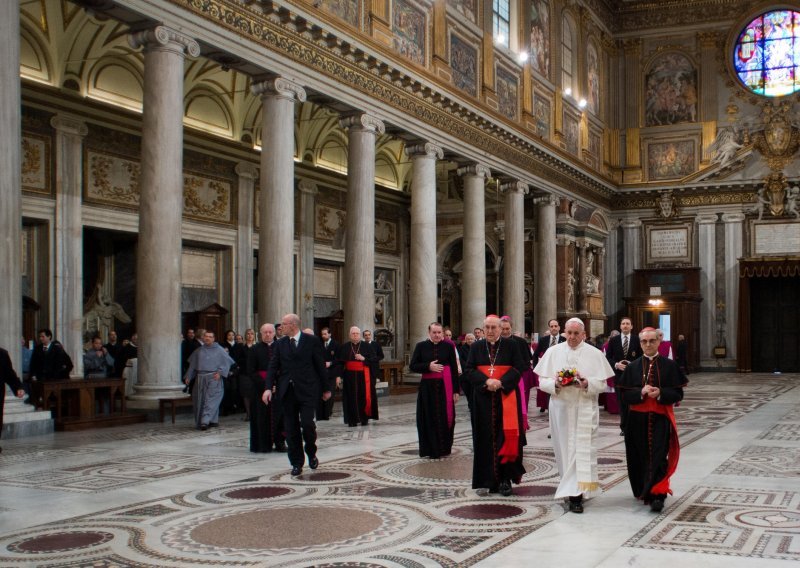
(173, 403)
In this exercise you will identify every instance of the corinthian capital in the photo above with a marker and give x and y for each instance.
(425, 149)
(362, 121)
(162, 37)
(474, 170)
(279, 87)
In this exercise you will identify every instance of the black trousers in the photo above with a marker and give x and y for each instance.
(299, 415)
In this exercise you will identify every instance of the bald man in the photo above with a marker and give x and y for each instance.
(354, 364)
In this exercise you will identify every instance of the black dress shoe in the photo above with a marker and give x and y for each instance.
(313, 463)
(505, 488)
(297, 470)
(656, 505)
(280, 446)
(575, 507)
(494, 489)
(204, 426)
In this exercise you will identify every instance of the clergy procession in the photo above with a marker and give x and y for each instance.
(287, 379)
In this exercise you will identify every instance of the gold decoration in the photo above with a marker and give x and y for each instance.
(777, 142)
(206, 198)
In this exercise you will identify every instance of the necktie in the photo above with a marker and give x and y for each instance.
(625, 346)
(552, 340)
(294, 343)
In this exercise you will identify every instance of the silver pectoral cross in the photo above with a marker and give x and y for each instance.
(491, 371)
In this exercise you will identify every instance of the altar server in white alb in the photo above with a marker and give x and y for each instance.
(574, 374)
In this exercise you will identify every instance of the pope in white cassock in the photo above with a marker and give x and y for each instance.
(574, 412)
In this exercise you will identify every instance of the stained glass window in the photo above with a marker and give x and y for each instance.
(767, 54)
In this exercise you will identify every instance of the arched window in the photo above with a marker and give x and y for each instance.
(766, 55)
(568, 62)
(501, 22)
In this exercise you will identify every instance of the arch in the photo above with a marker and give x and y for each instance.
(599, 221)
(34, 60)
(116, 80)
(332, 152)
(207, 110)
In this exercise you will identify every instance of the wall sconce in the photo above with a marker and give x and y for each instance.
(582, 103)
(655, 302)
(522, 57)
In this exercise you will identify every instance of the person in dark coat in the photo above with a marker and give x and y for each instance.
(11, 379)
(547, 340)
(266, 420)
(650, 386)
(49, 361)
(435, 358)
(298, 371)
(354, 368)
(325, 407)
(622, 349)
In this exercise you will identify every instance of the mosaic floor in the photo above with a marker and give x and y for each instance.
(167, 495)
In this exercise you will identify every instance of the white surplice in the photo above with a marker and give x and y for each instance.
(574, 414)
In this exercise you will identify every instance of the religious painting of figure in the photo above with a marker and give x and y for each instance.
(507, 93)
(464, 63)
(409, 31)
(594, 144)
(571, 134)
(466, 8)
(540, 37)
(671, 91)
(541, 111)
(593, 78)
(346, 10)
(670, 160)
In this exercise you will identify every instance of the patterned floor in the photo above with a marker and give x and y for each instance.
(167, 495)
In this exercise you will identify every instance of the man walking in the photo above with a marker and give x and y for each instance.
(622, 349)
(298, 370)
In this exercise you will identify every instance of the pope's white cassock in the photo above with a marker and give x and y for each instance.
(574, 414)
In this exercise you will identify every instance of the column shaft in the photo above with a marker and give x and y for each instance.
(422, 292)
(473, 275)
(545, 291)
(276, 206)
(68, 277)
(706, 236)
(158, 253)
(583, 304)
(514, 268)
(631, 252)
(308, 193)
(243, 319)
(733, 252)
(10, 191)
(359, 255)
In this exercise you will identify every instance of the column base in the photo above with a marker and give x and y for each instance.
(146, 396)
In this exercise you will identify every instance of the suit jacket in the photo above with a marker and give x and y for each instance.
(541, 347)
(53, 364)
(524, 351)
(614, 352)
(330, 356)
(303, 366)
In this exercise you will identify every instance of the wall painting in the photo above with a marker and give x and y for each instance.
(540, 37)
(507, 93)
(571, 134)
(409, 31)
(467, 8)
(670, 91)
(346, 10)
(464, 63)
(593, 78)
(670, 160)
(542, 113)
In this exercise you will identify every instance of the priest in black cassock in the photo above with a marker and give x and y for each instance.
(436, 360)
(266, 420)
(651, 385)
(354, 361)
(325, 407)
(498, 434)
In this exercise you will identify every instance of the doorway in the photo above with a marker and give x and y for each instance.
(775, 324)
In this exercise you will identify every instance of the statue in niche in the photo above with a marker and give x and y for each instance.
(99, 313)
(724, 147)
(570, 290)
(592, 283)
(381, 282)
(792, 198)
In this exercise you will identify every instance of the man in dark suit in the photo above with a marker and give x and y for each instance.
(553, 337)
(379, 356)
(325, 407)
(10, 378)
(49, 361)
(622, 349)
(298, 369)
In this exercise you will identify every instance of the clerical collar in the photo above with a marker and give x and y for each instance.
(651, 357)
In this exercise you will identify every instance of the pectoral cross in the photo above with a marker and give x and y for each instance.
(491, 372)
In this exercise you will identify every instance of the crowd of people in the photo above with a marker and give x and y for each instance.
(283, 380)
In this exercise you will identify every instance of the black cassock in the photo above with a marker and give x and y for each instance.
(488, 437)
(651, 440)
(354, 389)
(266, 420)
(434, 431)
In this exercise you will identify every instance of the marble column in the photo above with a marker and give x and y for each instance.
(473, 273)
(706, 229)
(359, 255)
(514, 266)
(733, 252)
(308, 195)
(422, 291)
(10, 183)
(546, 286)
(158, 252)
(276, 199)
(68, 277)
(583, 301)
(612, 291)
(631, 252)
(243, 276)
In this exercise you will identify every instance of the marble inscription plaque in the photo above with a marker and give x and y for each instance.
(199, 269)
(776, 238)
(669, 243)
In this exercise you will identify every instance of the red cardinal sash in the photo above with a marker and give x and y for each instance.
(359, 366)
(509, 452)
(673, 453)
(447, 376)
